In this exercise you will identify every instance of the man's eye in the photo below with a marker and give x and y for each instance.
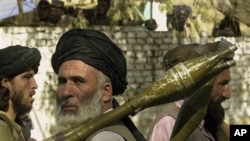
(78, 80)
(61, 81)
(28, 76)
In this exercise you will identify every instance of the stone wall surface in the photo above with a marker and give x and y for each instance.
(144, 52)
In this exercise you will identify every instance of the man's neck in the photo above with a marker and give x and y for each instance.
(10, 112)
(106, 107)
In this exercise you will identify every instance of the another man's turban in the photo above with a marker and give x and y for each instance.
(18, 59)
(95, 49)
(183, 53)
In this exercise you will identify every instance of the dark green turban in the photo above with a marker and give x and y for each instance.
(95, 49)
(18, 59)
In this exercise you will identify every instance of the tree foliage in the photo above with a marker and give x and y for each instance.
(127, 12)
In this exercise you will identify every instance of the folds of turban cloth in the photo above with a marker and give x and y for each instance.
(17, 59)
(95, 49)
(186, 52)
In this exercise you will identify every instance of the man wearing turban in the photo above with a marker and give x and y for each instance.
(91, 70)
(18, 65)
(210, 128)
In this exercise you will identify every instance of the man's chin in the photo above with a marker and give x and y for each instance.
(23, 109)
(68, 112)
(64, 121)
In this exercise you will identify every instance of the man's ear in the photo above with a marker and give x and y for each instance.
(107, 92)
(5, 82)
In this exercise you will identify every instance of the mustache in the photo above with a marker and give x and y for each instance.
(65, 102)
(31, 93)
(62, 101)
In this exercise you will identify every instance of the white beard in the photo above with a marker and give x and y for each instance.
(65, 121)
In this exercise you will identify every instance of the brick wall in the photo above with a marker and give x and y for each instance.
(144, 52)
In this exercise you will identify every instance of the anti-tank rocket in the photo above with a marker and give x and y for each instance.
(193, 110)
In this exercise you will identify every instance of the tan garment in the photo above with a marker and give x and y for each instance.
(9, 129)
(117, 127)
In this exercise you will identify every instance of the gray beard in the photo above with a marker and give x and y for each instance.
(87, 110)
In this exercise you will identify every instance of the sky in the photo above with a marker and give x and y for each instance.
(160, 17)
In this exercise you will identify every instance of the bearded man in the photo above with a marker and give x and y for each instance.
(212, 127)
(91, 70)
(18, 66)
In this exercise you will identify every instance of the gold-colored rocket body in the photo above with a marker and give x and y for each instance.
(180, 81)
(194, 108)
(183, 77)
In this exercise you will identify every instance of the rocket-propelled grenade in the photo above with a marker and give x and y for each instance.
(181, 80)
(193, 110)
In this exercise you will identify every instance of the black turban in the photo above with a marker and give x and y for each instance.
(95, 49)
(18, 59)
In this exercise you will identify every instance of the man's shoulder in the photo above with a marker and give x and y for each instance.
(116, 132)
(5, 130)
(169, 109)
(4, 120)
(3, 123)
